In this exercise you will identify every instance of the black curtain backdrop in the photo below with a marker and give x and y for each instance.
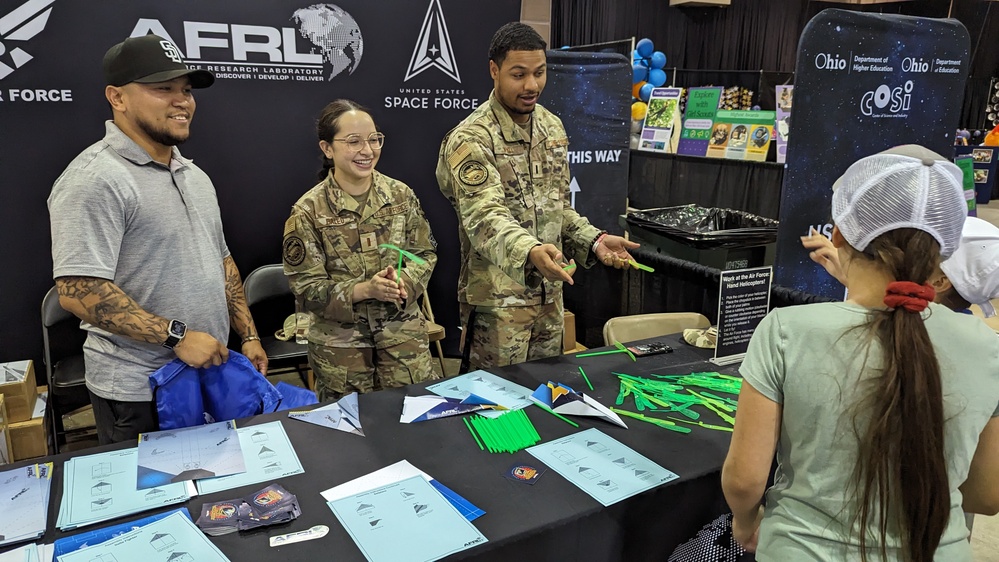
(763, 35)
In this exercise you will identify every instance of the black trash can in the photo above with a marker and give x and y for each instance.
(719, 238)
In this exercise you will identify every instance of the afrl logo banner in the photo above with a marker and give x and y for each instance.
(863, 83)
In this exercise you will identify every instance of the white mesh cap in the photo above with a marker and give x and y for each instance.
(973, 270)
(904, 187)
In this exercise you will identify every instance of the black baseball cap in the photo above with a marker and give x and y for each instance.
(149, 59)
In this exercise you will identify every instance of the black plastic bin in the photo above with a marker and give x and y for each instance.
(720, 238)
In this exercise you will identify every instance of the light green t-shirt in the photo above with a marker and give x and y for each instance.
(808, 359)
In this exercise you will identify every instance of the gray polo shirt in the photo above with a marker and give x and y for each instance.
(156, 232)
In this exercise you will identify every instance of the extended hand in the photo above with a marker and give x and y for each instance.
(822, 252)
(547, 259)
(613, 251)
(201, 350)
(256, 354)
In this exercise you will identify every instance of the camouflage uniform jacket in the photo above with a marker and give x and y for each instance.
(510, 194)
(331, 245)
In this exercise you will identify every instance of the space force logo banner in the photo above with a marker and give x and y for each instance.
(863, 83)
(420, 66)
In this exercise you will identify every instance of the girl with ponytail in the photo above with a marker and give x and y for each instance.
(881, 409)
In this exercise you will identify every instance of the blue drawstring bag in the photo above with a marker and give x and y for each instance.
(294, 396)
(177, 392)
(186, 396)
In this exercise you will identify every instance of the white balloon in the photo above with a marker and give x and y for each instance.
(634, 142)
(636, 125)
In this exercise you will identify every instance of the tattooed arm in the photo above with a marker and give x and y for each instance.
(239, 316)
(102, 303)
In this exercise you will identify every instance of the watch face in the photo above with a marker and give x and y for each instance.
(177, 328)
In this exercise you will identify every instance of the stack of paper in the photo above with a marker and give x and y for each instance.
(28, 553)
(24, 502)
(103, 486)
(564, 400)
(267, 455)
(342, 415)
(176, 455)
(485, 385)
(172, 539)
(83, 539)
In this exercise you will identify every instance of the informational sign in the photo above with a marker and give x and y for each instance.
(864, 82)
(741, 135)
(782, 126)
(657, 130)
(699, 120)
(743, 301)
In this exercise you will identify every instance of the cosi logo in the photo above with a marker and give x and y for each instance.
(21, 24)
(433, 46)
(891, 100)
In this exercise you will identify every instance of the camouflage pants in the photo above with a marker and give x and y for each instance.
(342, 370)
(512, 334)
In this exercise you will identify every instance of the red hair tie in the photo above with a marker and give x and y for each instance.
(908, 295)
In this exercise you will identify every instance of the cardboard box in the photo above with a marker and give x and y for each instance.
(5, 456)
(19, 395)
(29, 439)
(568, 331)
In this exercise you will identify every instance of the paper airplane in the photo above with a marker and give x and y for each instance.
(566, 401)
(423, 408)
(342, 415)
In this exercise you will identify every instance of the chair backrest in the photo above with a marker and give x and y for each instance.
(269, 297)
(641, 326)
(434, 330)
(62, 336)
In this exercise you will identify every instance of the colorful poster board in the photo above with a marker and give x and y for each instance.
(657, 130)
(782, 126)
(741, 135)
(699, 120)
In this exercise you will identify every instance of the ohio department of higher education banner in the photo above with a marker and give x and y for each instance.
(589, 92)
(863, 83)
(420, 65)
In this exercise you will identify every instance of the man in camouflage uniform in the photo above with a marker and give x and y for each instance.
(504, 170)
(331, 244)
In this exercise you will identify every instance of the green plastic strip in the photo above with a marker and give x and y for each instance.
(472, 431)
(585, 378)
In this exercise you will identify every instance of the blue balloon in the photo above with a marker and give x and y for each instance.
(635, 56)
(645, 92)
(658, 59)
(645, 48)
(657, 77)
(638, 73)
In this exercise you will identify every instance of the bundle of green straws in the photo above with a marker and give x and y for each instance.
(676, 394)
(508, 433)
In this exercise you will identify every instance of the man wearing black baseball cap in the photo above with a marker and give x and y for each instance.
(138, 250)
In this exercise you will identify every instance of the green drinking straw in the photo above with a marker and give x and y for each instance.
(472, 431)
(412, 257)
(585, 378)
(637, 265)
(568, 267)
(557, 415)
(596, 353)
(620, 347)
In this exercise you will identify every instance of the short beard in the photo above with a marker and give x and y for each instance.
(160, 136)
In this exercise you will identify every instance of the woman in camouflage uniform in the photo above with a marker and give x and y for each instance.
(368, 332)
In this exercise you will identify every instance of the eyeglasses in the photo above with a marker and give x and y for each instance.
(355, 143)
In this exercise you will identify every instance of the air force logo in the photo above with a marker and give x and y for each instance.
(21, 24)
(433, 47)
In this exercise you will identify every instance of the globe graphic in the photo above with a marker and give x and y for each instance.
(334, 32)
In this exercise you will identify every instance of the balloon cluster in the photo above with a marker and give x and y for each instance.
(647, 73)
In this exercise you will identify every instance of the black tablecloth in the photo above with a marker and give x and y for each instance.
(551, 520)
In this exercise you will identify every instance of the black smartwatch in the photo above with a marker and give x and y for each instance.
(175, 333)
